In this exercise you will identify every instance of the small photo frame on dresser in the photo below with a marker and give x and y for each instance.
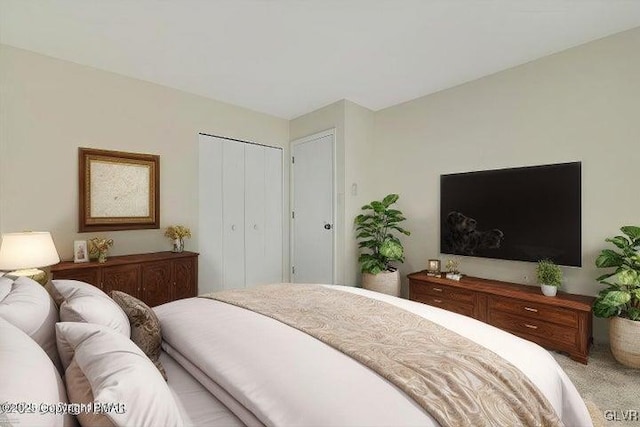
(80, 252)
(433, 267)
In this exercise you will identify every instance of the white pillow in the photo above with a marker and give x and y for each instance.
(82, 302)
(118, 373)
(27, 375)
(25, 304)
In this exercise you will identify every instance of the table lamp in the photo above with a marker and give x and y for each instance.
(26, 252)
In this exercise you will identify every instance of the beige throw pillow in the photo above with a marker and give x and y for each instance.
(145, 326)
(109, 368)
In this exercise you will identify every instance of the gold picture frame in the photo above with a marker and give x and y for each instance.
(118, 190)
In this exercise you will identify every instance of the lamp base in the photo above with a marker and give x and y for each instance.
(32, 273)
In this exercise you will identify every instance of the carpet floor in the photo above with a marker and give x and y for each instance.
(613, 387)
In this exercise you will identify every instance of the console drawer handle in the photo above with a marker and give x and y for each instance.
(535, 310)
(437, 300)
(437, 289)
(530, 326)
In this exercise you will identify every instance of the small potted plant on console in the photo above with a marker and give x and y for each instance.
(549, 277)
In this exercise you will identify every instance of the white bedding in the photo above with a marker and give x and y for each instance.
(284, 377)
(197, 406)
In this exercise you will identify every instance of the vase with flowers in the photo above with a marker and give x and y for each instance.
(99, 247)
(178, 233)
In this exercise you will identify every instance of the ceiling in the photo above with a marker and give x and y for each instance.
(289, 57)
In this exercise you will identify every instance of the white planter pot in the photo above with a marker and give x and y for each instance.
(387, 282)
(549, 290)
(624, 337)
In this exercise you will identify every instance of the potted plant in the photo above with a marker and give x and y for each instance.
(549, 277)
(620, 301)
(376, 228)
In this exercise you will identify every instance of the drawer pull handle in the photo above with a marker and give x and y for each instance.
(437, 300)
(437, 289)
(535, 310)
(530, 326)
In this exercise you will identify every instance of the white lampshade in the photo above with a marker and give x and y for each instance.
(29, 249)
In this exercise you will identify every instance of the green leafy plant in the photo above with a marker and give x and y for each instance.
(376, 227)
(620, 298)
(548, 273)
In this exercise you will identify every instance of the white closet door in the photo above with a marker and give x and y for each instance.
(210, 228)
(254, 199)
(233, 211)
(273, 215)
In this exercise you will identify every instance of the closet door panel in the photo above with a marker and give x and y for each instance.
(273, 216)
(233, 211)
(254, 197)
(210, 245)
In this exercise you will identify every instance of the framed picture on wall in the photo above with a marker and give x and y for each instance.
(118, 191)
(80, 252)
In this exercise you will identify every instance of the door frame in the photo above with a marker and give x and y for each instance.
(334, 199)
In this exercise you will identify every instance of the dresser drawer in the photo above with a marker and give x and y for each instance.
(445, 292)
(447, 304)
(532, 310)
(539, 331)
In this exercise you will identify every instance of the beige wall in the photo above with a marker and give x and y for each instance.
(358, 159)
(581, 104)
(50, 107)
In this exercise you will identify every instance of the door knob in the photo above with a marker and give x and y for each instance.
(327, 226)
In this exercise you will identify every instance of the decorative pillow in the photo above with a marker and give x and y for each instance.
(25, 304)
(118, 375)
(27, 375)
(83, 302)
(145, 326)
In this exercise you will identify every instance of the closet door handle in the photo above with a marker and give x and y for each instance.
(233, 227)
(255, 226)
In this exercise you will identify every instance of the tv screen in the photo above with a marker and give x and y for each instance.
(524, 214)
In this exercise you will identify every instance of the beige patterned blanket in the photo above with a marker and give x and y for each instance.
(458, 382)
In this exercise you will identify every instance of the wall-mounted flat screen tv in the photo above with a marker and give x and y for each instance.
(524, 214)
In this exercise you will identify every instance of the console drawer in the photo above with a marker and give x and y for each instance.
(447, 304)
(535, 330)
(446, 292)
(532, 310)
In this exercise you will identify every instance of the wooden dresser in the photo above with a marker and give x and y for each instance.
(562, 323)
(154, 278)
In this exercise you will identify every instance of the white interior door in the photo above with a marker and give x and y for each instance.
(233, 214)
(211, 269)
(313, 210)
(273, 215)
(254, 203)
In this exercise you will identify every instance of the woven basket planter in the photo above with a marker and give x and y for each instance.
(624, 337)
(387, 282)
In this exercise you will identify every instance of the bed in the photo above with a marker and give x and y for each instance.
(229, 366)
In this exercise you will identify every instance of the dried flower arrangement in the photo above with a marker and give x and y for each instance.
(177, 232)
(99, 246)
